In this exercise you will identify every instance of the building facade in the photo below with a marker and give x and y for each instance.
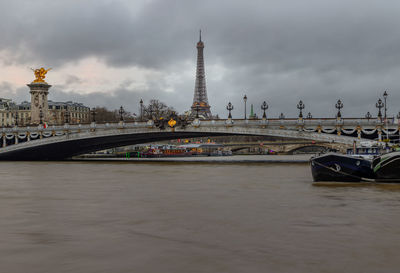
(7, 112)
(71, 112)
(58, 113)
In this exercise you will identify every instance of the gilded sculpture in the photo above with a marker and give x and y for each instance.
(40, 74)
(171, 123)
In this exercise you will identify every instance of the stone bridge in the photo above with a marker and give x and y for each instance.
(61, 142)
(284, 147)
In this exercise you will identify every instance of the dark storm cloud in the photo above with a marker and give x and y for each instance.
(121, 97)
(279, 51)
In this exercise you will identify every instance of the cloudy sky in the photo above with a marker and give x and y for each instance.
(114, 52)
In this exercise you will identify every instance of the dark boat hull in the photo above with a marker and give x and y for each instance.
(387, 167)
(340, 168)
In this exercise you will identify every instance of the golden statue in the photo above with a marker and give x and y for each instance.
(171, 123)
(40, 74)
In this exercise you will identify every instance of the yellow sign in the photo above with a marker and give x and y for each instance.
(40, 74)
(171, 123)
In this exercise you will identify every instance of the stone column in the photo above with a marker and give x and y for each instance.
(39, 92)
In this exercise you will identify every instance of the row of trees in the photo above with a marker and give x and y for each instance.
(154, 110)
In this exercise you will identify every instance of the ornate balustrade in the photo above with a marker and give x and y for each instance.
(347, 126)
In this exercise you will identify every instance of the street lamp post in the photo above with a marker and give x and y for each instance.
(229, 107)
(281, 116)
(339, 105)
(40, 115)
(141, 110)
(264, 106)
(245, 102)
(368, 116)
(93, 115)
(301, 106)
(398, 121)
(379, 105)
(385, 95)
(309, 116)
(121, 114)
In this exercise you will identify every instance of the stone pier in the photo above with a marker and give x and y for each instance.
(39, 104)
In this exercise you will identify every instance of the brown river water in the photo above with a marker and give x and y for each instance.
(182, 217)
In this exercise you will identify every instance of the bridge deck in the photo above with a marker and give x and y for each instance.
(59, 142)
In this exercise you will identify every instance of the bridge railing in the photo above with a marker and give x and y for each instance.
(371, 128)
(290, 123)
(304, 122)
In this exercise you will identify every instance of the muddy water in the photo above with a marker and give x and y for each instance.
(164, 217)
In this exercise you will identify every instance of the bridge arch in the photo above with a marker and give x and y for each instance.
(313, 148)
(66, 142)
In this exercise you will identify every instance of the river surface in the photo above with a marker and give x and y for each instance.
(182, 217)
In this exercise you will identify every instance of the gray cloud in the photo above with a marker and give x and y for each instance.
(278, 51)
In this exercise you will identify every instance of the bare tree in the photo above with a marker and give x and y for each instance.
(105, 115)
(157, 109)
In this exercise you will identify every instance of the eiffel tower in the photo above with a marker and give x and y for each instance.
(200, 104)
